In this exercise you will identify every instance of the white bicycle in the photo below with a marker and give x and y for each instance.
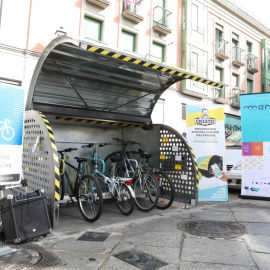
(7, 132)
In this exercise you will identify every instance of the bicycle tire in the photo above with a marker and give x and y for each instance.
(91, 200)
(166, 190)
(148, 192)
(126, 206)
(62, 185)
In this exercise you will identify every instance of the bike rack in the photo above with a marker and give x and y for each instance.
(74, 104)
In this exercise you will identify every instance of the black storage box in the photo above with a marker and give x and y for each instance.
(24, 216)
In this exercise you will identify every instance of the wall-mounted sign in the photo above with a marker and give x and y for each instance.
(205, 134)
(11, 133)
(255, 116)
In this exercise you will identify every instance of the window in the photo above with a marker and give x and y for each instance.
(158, 51)
(92, 29)
(249, 47)
(194, 62)
(249, 86)
(219, 74)
(194, 19)
(234, 43)
(219, 31)
(129, 41)
(235, 80)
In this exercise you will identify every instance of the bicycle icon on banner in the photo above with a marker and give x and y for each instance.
(7, 132)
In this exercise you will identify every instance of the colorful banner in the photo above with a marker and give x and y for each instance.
(11, 133)
(205, 134)
(255, 116)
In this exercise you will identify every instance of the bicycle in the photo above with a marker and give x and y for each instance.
(7, 132)
(166, 187)
(119, 187)
(145, 185)
(86, 189)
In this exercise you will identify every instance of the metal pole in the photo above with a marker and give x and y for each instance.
(1, 5)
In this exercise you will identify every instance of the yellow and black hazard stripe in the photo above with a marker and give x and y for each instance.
(156, 66)
(55, 156)
(198, 174)
(92, 121)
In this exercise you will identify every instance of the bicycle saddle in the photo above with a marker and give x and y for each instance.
(144, 154)
(80, 159)
(115, 158)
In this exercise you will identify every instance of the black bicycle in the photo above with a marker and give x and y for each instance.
(145, 185)
(166, 187)
(86, 189)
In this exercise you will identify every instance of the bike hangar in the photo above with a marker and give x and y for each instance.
(83, 92)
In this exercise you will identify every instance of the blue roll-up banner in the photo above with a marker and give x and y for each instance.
(255, 118)
(12, 100)
(206, 135)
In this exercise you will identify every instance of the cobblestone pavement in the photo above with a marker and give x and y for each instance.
(220, 235)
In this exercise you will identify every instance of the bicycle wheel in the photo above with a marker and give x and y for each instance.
(126, 204)
(166, 190)
(90, 198)
(146, 191)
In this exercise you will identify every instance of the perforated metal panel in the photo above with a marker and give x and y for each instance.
(177, 160)
(38, 160)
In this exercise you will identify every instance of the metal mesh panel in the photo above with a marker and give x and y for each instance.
(38, 165)
(177, 161)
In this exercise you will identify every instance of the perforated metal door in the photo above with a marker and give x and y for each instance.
(178, 161)
(40, 165)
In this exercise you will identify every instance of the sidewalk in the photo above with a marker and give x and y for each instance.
(239, 239)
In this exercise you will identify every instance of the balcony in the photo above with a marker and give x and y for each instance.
(252, 65)
(100, 3)
(162, 20)
(236, 97)
(221, 51)
(221, 95)
(133, 11)
(238, 57)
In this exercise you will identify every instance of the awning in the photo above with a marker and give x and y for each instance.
(75, 78)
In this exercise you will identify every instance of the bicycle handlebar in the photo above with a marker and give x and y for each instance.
(125, 142)
(67, 150)
(90, 145)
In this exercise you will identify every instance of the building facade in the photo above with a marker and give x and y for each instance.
(214, 38)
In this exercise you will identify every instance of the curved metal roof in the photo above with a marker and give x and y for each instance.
(75, 78)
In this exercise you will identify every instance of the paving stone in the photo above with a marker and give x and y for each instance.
(216, 251)
(210, 266)
(259, 243)
(116, 264)
(260, 216)
(213, 215)
(81, 260)
(262, 260)
(257, 228)
(158, 239)
(71, 244)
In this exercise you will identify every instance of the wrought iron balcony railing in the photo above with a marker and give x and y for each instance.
(133, 9)
(162, 20)
(238, 56)
(221, 49)
(221, 94)
(252, 65)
